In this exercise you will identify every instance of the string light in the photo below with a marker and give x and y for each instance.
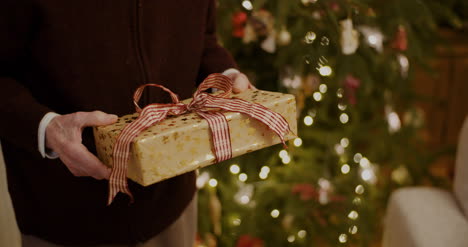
(283, 154)
(247, 5)
(298, 142)
(394, 123)
(213, 182)
(343, 238)
(234, 169)
(325, 41)
(325, 70)
(312, 112)
(202, 180)
(367, 175)
(339, 149)
(317, 96)
(353, 229)
(322, 61)
(275, 213)
(323, 88)
(344, 118)
(310, 37)
(339, 93)
(373, 40)
(292, 82)
(286, 160)
(243, 177)
(359, 189)
(400, 175)
(301, 234)
(373, 37)
(237, 222)
(404, 65)
(357, 157)
(244, 199)
(308, 120)
(364, 162)
(342, 107)
(353, 215)
(264, 172)
(291, 238)
(265, 169)
(244, 194)
(345, 169)
(316, 14)
(344, 142)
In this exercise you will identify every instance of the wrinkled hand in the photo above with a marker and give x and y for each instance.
(241, 82)
(63, 136)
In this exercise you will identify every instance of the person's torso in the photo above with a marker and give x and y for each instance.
(91, 55)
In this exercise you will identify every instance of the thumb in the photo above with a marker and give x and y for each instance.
(96, 118)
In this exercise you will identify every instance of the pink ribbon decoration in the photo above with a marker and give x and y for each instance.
(205, 105)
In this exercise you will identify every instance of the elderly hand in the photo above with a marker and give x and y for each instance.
(241, 82)
(63, 136)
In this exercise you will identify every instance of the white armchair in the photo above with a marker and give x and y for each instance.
(431, 217)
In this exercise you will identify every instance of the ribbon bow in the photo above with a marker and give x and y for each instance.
(205, 105)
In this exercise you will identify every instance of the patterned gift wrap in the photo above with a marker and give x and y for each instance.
(180, 144)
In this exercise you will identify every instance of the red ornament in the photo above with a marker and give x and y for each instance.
(239, 19)
(400, 42)
(198, 240)
(334, 6)
(306, 191)
(351, 84)
(249, 241)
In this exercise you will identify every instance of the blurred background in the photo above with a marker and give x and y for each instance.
(381, 96)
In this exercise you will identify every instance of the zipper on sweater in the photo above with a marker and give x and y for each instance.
(139, 47)
(136, 32)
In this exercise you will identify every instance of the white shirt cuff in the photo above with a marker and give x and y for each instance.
(230, 71)
(41, 136)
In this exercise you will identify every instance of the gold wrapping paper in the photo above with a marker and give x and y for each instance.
(180, 144)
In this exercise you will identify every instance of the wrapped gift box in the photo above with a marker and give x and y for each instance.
(180, 144)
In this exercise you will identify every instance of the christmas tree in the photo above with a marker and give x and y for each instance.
(350, 64)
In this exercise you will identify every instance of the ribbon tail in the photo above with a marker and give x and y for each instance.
(116, 185)
(121, 151)
(118, 177)
(112, 194)
(220, 133)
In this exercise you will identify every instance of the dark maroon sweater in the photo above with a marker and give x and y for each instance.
(85, 55)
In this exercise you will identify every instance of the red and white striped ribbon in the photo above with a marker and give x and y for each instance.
(205, 105)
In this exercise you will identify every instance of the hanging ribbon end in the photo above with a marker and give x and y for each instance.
(284, 144)
(113, 194)
(111, 197)
(130, 195)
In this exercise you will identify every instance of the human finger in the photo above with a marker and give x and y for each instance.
(241, 83)
(84, 163)
(95, 118)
